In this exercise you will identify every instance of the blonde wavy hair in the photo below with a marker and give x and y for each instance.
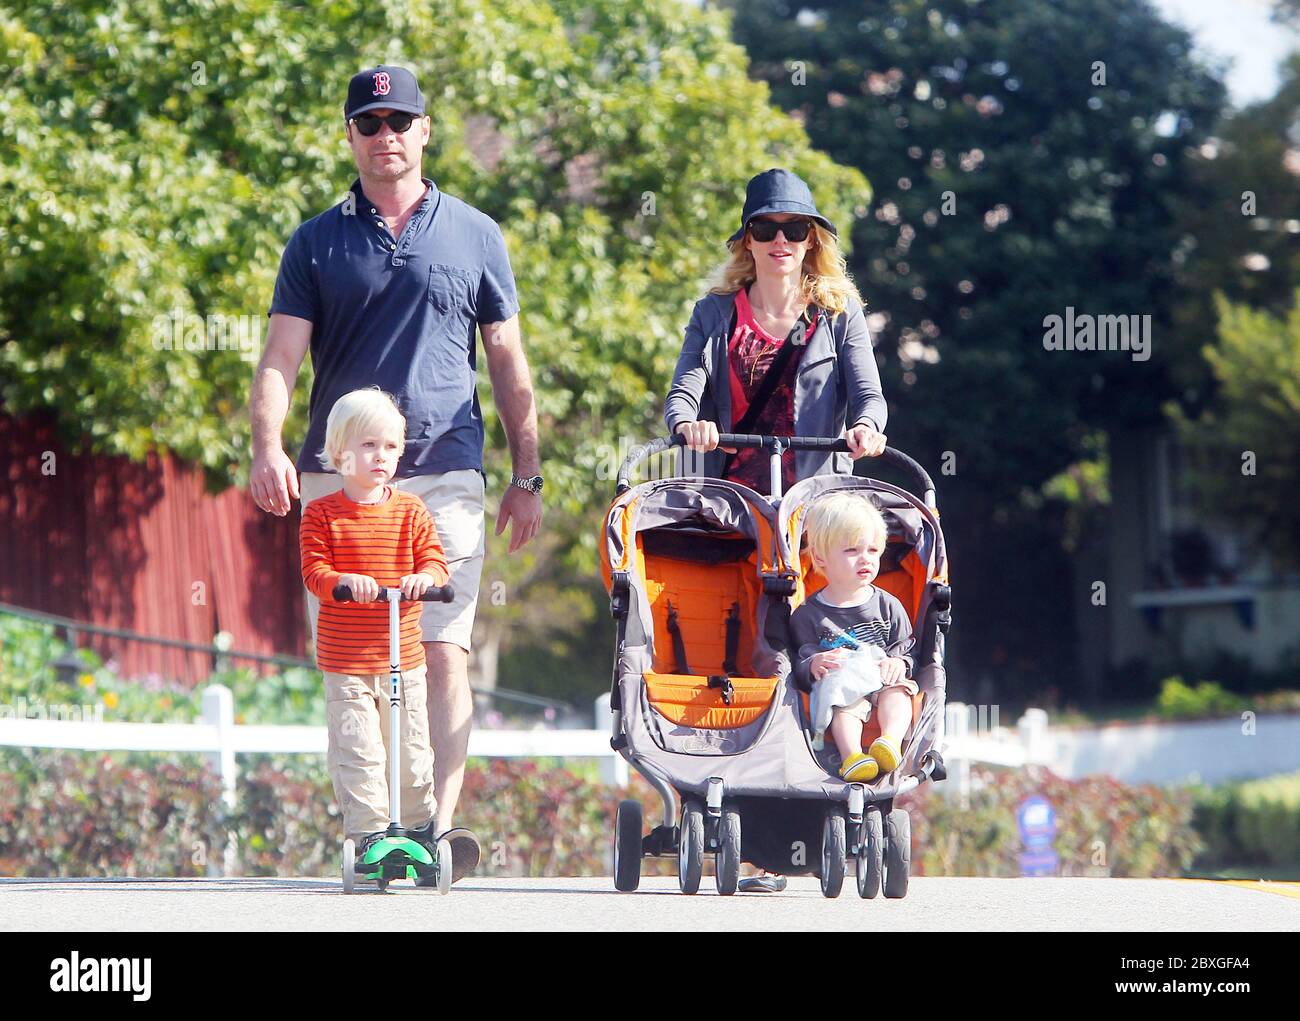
(843, 519)
(825, 280)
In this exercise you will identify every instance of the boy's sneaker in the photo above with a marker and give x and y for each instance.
(859, 768)
(465, 851)
(366, 842)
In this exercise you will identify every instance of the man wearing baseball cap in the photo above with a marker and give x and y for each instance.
(388, 288)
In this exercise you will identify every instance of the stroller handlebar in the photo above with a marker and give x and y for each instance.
(919, 477)
(435, 594)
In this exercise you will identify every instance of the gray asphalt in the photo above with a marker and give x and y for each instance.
(938, 904)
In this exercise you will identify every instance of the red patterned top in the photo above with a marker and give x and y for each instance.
(750, 353)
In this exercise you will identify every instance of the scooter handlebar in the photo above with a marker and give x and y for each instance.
(436, 594)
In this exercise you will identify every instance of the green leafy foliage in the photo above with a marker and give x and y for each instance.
(1180, 701)
(1252, 823)
(30, 685)
(155, 158)
(1243, 451)
(138, 815)
(1010, 184)
(1104, 827)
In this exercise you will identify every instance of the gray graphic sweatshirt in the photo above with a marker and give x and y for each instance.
(817, 627)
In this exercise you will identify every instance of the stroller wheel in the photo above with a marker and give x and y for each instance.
(727, 868)
(834, 846)
(898, 852)
(349, 866)
(871, 857)
(627, 846)
(690, 852)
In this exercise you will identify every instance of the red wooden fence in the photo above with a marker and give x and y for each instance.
(144, 547)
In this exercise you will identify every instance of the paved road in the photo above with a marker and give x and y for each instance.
(940, 904)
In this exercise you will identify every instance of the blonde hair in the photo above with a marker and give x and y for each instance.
(360, 411)
(825, 281)
(839, 519)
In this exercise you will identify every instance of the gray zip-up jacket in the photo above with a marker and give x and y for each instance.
(838, 384)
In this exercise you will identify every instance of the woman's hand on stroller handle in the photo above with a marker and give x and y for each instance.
(701, 436)
(865, 441)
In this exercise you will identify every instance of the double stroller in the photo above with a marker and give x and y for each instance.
(702, 575)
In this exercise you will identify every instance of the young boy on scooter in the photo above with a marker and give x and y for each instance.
(369, 536)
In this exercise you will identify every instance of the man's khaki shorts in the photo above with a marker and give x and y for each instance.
(455, 501)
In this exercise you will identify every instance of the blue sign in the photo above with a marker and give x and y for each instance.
(1036, 818)
(1037, 822)
(1040, 863)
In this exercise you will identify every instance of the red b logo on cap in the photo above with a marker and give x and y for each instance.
(382, 85)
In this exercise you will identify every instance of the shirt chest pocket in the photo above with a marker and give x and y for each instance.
(448, 289)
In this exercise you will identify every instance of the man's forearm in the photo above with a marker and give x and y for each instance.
(512, 392)
(518, 413)
(268, 407)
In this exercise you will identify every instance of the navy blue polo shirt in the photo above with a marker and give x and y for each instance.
(399, 313)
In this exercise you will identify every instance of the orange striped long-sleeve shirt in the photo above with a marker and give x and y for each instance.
(385, 540)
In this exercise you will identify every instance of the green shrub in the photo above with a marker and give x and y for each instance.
(1255, 822)
(1179, 701)
(101, 815)
(78, 814)
(1103, 827)
(29, 648)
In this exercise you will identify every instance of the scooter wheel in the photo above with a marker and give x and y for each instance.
(444, 867)
(349, 865)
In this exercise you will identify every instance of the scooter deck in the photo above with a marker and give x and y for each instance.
(395, 858)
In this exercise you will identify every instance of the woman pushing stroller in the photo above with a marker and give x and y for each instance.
(778, 346)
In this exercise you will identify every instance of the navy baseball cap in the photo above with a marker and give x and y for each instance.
(383, 87)
(778, 191)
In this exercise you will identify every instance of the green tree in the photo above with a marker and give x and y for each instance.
(156, 157)
(1245, 458)
(1027, 157)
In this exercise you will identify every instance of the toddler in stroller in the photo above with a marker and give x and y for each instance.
(853, 639)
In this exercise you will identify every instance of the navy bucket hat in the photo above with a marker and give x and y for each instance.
(778, 191)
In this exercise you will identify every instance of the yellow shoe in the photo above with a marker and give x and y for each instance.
(886, 751)
(859, 768)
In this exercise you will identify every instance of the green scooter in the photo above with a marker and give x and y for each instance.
(395, 855)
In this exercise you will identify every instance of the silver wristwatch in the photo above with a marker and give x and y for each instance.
(529, 485)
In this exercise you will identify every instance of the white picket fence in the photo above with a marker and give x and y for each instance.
(218, 737)
(221, 739)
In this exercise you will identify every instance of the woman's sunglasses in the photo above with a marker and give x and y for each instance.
(765, 230)
(368, 123)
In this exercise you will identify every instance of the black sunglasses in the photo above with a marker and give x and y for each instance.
(368, 123)
(765, 230)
